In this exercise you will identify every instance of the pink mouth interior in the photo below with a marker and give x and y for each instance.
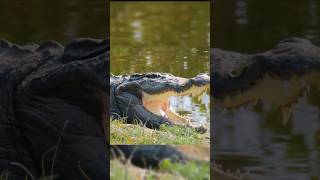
(158, 107)
(162, 108)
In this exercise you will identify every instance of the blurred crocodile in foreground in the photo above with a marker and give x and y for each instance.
(144, 98)
(279, 76)
(150, 156)
(53, 110)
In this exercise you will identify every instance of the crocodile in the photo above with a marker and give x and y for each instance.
(151, 156)
(53, 109)
(144, 98)
(278, 76)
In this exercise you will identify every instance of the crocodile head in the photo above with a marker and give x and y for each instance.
(73, 76)
(145, 97)
(279, 76)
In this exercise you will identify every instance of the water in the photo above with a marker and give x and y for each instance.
(40, 21)
(171, 37)
(254, 138)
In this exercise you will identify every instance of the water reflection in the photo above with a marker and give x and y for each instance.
(41, 21)
(252, 26)
(166, 36)
(253, 138)
(279, 151)
(171, 37)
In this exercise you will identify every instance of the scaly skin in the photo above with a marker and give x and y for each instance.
(52, 107)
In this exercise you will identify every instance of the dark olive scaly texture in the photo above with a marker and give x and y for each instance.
(52, 107)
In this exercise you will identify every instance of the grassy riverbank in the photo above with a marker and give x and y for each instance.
(121, 133)
(166, 171)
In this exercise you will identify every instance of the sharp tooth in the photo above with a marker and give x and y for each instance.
(286, 114)
(193, 93)
(201, 96)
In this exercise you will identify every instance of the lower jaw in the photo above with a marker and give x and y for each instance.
(162, 108)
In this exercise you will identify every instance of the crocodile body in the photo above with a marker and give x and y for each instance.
(52, 109)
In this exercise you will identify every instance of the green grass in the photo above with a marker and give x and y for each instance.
(190, 171)
(121, 133)
(120, 171)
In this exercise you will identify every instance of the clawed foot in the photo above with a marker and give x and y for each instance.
(199, 128)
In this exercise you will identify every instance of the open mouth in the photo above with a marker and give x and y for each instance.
(284, 94)
(159, 104)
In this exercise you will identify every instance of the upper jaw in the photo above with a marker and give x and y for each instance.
(283, 94)
(156, 83)
(232, 72)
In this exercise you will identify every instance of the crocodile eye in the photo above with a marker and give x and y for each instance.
(237, 72)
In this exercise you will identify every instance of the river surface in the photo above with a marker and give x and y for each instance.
(171, 37)
(40, 21)
(254, 138)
